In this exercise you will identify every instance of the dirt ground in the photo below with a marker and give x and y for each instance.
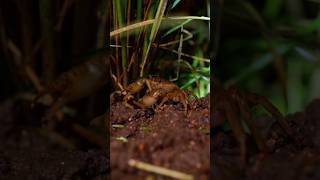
(289, 159)
(169, 139)
(28, 151)
(165, 137)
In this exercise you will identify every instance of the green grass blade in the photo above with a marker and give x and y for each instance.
(160, 12)
(176, 27)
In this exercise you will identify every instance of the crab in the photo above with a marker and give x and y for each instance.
(230, 104)
(79, 82)
(158, 92)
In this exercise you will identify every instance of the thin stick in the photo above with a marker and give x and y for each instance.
(179, 55)
(16, 53)
(159, 170)
(190, 35)
(33, 78)
(128, 23)
(187, 55)
(114, 12)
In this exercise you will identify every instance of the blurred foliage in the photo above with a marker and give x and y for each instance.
(257, 36)
(41, 39)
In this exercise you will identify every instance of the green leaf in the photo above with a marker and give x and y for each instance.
(189, 83)
(155, 27)
(176, 27)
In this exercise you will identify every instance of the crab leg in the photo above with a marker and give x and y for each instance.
(229, 112)
(50, 113)
(255, 99)
(176, 96)
(135, 87)
(132, 88)
(246, 112)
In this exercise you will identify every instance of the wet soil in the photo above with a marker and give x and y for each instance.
(167, 138)
(29, 151)
(164, 137)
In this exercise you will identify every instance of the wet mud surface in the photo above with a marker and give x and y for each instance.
(166, 137)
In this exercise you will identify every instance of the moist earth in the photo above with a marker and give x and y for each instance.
(30, 151)
(165, 137)
(289, 159)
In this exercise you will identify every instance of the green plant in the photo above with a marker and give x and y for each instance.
(144, 34)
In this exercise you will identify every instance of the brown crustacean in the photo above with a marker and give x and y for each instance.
(76, 83)
(230, 104)
(159, 91)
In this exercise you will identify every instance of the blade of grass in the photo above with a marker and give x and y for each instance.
(160, 12)
(135, 60)
(120, 19)
(176, 28)
(115, 24)
(151, 21)
(128, 23)
(139, 10)
(175, 3)
(189, 36)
